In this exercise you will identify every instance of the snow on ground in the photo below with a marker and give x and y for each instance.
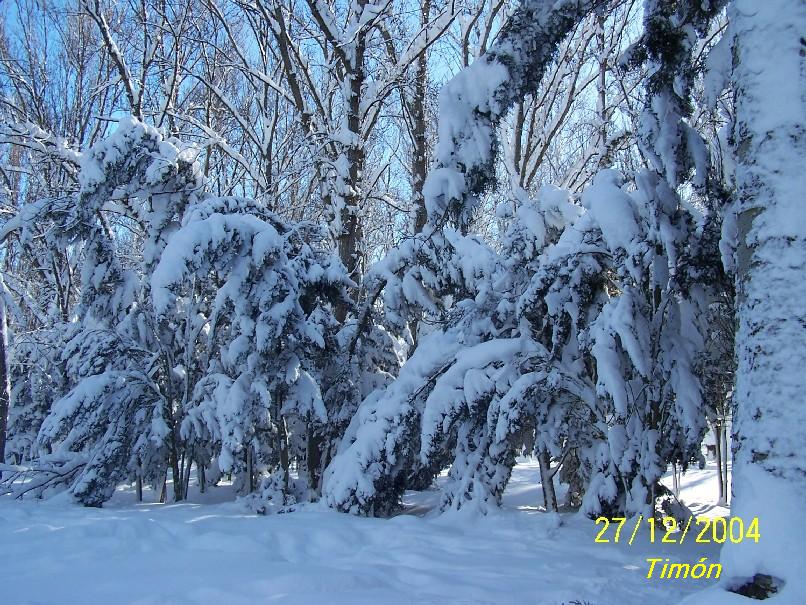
(215, 552)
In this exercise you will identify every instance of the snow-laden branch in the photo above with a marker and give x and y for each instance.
(475, 100)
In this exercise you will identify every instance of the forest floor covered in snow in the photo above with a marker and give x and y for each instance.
(209, 551)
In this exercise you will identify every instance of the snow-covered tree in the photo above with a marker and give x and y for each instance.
(761, 57)
(115, 416)
(382, 443)
(261, 293)
(220, 343)
(600, 327)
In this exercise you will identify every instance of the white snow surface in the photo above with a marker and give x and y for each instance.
(212, 551)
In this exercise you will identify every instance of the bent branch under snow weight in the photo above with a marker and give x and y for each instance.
(477, 98)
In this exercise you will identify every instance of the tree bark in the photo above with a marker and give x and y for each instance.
(163, 488)
(250, 471)
(5, 386)
(139, 480)
(718, 450)
(725, 457)
(176, 475)
(350, 240)
(769, 421)
(547, 481)
(419, 156)
(202, 476)
(186, 476)
(313, 458)
(675, 480)
(284, 457)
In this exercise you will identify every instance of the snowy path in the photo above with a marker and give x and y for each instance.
(215, 553)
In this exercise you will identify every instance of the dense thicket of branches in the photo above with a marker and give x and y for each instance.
(254, 239)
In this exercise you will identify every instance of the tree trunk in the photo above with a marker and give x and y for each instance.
(718, 450)
(769, 464)
(675, 481)
(547, 481)
(176, 475)
(313, 458)
(139, 480)
(161, 497)
(250, 471)
(419, 153)
(284, 458)
(350, 239)
(5, 387)
(725, 458)
(603, 161)
(202, 476)
(186, 476)
(181, 466)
